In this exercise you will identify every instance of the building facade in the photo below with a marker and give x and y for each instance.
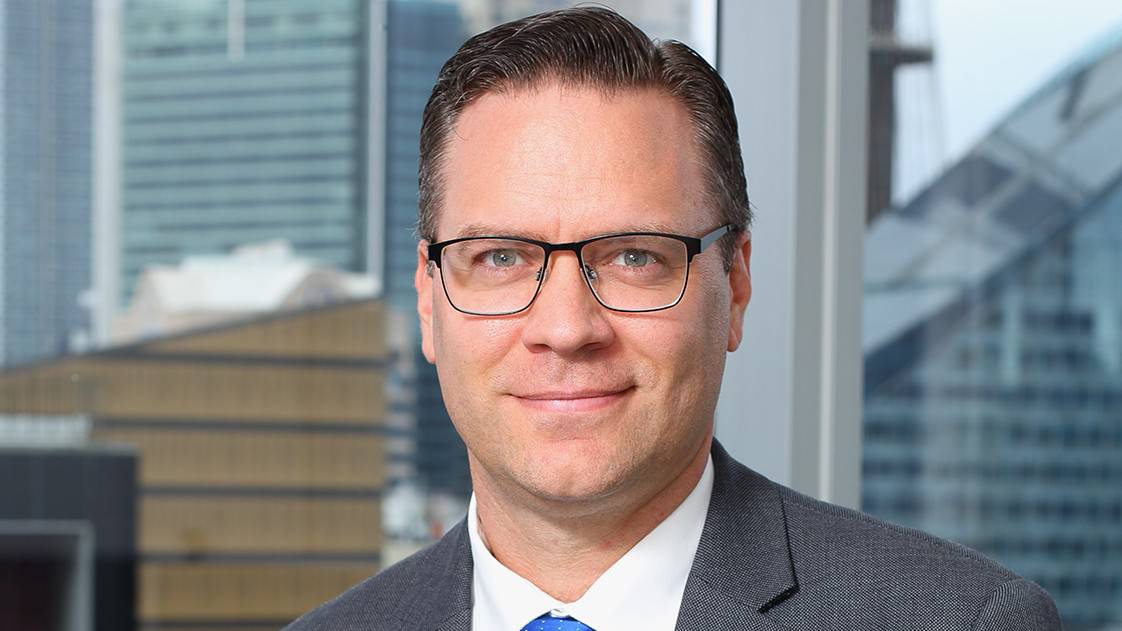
(242, 122)
(993, 341)
(247, 121)
(67, 529)
(262, 459)
(46, 68)
(421, 36)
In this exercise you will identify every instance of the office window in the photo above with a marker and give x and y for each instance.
(993, 298)
(227, 421)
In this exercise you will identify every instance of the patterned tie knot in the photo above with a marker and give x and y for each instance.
(548, 622)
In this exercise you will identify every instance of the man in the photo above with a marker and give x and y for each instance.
(582, 274)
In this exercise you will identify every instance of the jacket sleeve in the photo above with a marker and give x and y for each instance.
(1018, 605)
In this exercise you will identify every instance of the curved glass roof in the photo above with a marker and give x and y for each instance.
(1039, 170)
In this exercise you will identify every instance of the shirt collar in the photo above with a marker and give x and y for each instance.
(643, 589)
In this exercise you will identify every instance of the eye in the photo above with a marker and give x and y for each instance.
(501, 258)
(634, 258)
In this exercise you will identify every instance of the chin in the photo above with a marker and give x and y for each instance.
(572, 491)
(571, 470)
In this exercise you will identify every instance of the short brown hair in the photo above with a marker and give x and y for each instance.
(586, 46)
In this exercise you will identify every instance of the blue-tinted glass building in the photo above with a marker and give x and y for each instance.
(993, 346)
(243, 121)
(46, 69)
(247, 120)
(421, 36)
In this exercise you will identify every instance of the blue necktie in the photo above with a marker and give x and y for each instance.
(546, 622)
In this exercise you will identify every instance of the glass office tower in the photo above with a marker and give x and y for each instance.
(421, 36)
(993, 342)
(243, 122)
(46, 68)
(246, 121)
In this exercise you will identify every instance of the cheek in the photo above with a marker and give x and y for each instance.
(674, 351)
(715, 302)
(694, 349)
(469, 350)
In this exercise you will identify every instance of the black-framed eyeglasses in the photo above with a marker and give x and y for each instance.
(633, 272)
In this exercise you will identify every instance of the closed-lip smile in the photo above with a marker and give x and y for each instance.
(572, 400)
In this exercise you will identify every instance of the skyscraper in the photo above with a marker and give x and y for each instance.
(993, 341)
(45, 186)
(243, 121)
(421, 35)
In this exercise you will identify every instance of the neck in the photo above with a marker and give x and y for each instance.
(562, 548)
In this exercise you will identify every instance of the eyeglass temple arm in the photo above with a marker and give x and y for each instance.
(708, 239)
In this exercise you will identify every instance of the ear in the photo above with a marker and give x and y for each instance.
(740, 286)
(422, 281)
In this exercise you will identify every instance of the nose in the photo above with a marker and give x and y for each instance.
(566, 318)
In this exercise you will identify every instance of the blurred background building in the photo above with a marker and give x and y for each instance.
(46, 122)
(67, 526)
(254, 280)
(993, 341)
(242, 122)
(261, 461)
(420, 36)
(250, 121)
(892, 46)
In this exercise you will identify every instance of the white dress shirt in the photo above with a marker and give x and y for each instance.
(642, 590)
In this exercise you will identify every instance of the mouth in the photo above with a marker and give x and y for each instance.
(573, 401)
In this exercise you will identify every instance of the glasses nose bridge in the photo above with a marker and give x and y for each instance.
(553, 248)
(575, 247)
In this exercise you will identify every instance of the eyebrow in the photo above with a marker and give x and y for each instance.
(489, 230)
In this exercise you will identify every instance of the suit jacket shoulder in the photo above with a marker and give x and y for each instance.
(769, 559)
(794, 562)
(879, 575)
(430, 590)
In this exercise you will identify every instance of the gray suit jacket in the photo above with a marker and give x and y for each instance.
(769, 559)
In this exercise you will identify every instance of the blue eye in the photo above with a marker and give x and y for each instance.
(502, 258)
(634, 258)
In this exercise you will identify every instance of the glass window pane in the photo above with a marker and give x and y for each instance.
(993, 343)
(213, 408)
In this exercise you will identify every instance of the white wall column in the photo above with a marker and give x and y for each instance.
(105, 226)
(377, 29)
(791, 400)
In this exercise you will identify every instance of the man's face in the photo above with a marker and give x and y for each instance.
(568, 400)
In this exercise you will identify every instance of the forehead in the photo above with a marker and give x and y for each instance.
(567, 162)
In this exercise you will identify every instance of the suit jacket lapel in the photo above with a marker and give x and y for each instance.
(743, 564)
(742, 568)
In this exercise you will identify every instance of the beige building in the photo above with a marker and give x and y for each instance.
(262, 458)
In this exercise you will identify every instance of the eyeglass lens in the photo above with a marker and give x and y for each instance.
(490, 276)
